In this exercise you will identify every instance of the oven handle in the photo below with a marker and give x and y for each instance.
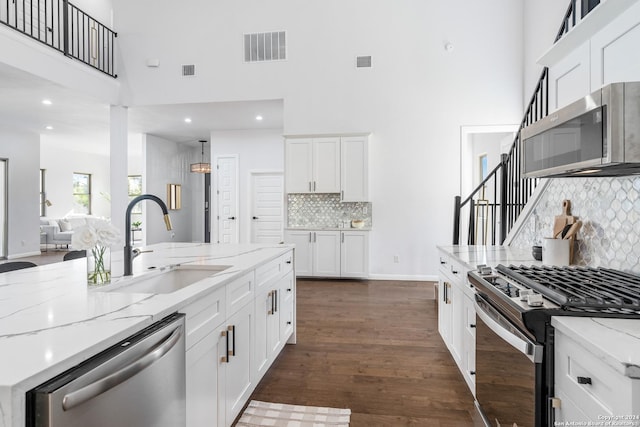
(489, 316)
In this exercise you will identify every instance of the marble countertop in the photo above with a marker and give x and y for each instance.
(50, 321)
(473, 256)
(615, 341)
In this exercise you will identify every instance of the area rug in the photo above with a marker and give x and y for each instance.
(282, 415)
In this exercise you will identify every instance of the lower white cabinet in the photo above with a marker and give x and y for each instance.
(330, 253)
(236, 366)
(589, 390)
(233, 336)
(457, 316)
(203, 380)
(354, 253)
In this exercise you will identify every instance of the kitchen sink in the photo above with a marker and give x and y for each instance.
(167, 282)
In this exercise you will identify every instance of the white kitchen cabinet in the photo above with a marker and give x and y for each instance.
(354, 254)
(303, 240)
(226, 335)
(354, 169)
(238, 381)
(202, 381)
(456, 316)
(317, 252)
(588, 389)
(326, 253)
(312, 165)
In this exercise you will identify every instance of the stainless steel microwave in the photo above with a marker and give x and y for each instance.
(598, 135)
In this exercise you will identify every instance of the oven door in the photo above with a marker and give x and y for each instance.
(508, 370)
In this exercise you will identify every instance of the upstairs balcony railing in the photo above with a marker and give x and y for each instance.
(492, 208)
(62, 26)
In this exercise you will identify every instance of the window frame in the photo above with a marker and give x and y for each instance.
(88, 193)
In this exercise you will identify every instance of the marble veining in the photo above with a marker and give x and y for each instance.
(50, 321)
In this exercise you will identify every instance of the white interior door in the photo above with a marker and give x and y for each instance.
(267, 207)
(227, 198)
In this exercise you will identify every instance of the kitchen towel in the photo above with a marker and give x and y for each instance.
(282, 415)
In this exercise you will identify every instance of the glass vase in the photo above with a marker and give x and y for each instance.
(99, 266)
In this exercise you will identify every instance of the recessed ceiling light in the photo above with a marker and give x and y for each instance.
(47, 102)
(187, 120)
(258, 118)
(49, 127)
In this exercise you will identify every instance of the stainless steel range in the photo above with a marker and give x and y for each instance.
(514, 337)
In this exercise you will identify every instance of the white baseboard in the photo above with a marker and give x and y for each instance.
(406, 277)
(24, 255)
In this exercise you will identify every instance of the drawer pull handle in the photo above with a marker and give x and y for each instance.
(584, 380)
(288, 261)
(442, 262)
(454, 271)
(472, 325)
(472, 372)
(225, 358)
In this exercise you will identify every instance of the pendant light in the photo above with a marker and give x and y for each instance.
(201, 167)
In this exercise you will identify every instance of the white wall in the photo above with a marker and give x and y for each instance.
(542, 20)
(257, 150)
(166, 162)
(23, 236)
(413, 100)
(60, 164)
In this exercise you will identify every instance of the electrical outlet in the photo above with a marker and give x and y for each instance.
(364, 210)
(396, 259)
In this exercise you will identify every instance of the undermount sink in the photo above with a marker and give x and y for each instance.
(168, 281)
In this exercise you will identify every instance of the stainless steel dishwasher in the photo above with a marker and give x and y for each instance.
(137, 382)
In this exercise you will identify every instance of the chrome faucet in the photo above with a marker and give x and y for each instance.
(129, 252)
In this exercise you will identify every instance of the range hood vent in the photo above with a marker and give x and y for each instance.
(188, 70)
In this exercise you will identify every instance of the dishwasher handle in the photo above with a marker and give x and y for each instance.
(106, 383)
(512, 336)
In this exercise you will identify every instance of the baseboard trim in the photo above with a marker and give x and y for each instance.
(24, 255)
(404, 277)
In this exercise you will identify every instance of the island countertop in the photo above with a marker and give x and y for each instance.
(50, 320)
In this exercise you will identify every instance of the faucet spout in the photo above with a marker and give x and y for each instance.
(128, 250)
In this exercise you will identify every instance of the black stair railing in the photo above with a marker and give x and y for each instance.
(493, 207)
(61, 25)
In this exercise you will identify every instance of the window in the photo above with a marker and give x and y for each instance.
(484, 167)
(43, 200)
(82, 193)
(135, 189)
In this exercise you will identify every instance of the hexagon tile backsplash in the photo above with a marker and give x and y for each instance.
(324, 210)
(609, 209)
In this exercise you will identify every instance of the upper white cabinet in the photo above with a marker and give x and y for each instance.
(354, 169)
(312, 165)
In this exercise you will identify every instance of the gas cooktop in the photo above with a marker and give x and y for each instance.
(532, 294)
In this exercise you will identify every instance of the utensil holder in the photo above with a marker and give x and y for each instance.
(556, 252)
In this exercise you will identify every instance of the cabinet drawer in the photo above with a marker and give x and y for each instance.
(609, 392)
(204, 315)
(239, 292)
(287, 262)
(453, 269)
(266, 274)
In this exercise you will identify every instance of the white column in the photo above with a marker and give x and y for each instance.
(119, 167)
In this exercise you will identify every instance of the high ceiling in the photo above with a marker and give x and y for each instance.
(81, 123)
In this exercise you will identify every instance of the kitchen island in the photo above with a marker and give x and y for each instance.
(51, 321)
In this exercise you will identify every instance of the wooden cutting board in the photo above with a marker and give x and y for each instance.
(561, 220)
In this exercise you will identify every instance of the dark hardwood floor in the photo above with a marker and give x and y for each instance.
(373, 347)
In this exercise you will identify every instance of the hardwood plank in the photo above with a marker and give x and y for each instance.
(372, 347)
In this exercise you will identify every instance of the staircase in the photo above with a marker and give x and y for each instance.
(62, 26)
(491, 210)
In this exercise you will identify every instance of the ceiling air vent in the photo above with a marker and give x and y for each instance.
(259, 47)
(363, 61)
(189, 70)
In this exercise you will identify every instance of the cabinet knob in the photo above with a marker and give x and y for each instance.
(584, 380)
(472, 372)
(442, 262)
(472, 325)
(232, 217)
(288, 261)
(288, 323)
(255, 217)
